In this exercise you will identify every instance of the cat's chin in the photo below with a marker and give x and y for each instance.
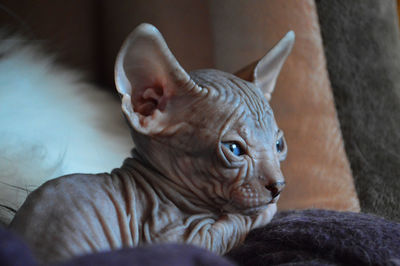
(249, 211)
(254, 210)
(245, 208)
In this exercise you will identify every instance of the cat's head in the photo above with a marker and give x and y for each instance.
(208, 131)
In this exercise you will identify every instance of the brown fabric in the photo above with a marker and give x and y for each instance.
(66, 28)
(362, 47)
(228, 35)
(316, 170)
(398, 8)
(184, 24)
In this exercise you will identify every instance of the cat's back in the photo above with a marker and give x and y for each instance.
(80, 213)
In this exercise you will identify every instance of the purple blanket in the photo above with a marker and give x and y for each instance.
(312, 237)
(320, 237)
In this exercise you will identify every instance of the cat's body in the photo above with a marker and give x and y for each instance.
(130, 207)
(205, 171)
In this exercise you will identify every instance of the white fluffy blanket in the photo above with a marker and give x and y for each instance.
(52, 123)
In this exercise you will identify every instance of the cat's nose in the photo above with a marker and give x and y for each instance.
(275, 188)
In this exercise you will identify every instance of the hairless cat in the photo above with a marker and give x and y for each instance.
(205, 169)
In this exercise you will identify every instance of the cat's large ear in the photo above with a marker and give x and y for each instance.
(147, 75)
(264, 72)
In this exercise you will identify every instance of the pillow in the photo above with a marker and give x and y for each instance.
(317, 170)
(362, 46)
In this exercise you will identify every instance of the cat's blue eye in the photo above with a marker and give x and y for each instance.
(234, 147)
(280, 145)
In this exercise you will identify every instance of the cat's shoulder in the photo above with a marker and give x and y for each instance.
(75, 181)
(66, 196)
(70, 188)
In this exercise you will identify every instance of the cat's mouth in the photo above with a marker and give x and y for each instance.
(249, 205)
(251, 199)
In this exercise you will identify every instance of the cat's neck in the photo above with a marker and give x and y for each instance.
(181, 194)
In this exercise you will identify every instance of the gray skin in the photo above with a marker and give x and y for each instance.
(183, 182)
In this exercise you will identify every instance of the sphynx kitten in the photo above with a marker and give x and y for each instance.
(205, 169)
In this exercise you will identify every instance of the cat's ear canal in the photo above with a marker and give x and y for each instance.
(264, 72)
(147, 76)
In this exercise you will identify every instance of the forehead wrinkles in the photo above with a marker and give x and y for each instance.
(228, 88)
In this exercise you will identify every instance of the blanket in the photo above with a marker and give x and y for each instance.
(311, 237)
(14, 252)
(321, 237)
(362, 46)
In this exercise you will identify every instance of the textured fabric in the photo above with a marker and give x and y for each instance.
(311, 237)
(362, 45)
(157, 255)
(13, 252)
(321, 237)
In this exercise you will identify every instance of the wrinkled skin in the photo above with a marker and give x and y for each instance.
(239, 114)
(205, 171)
